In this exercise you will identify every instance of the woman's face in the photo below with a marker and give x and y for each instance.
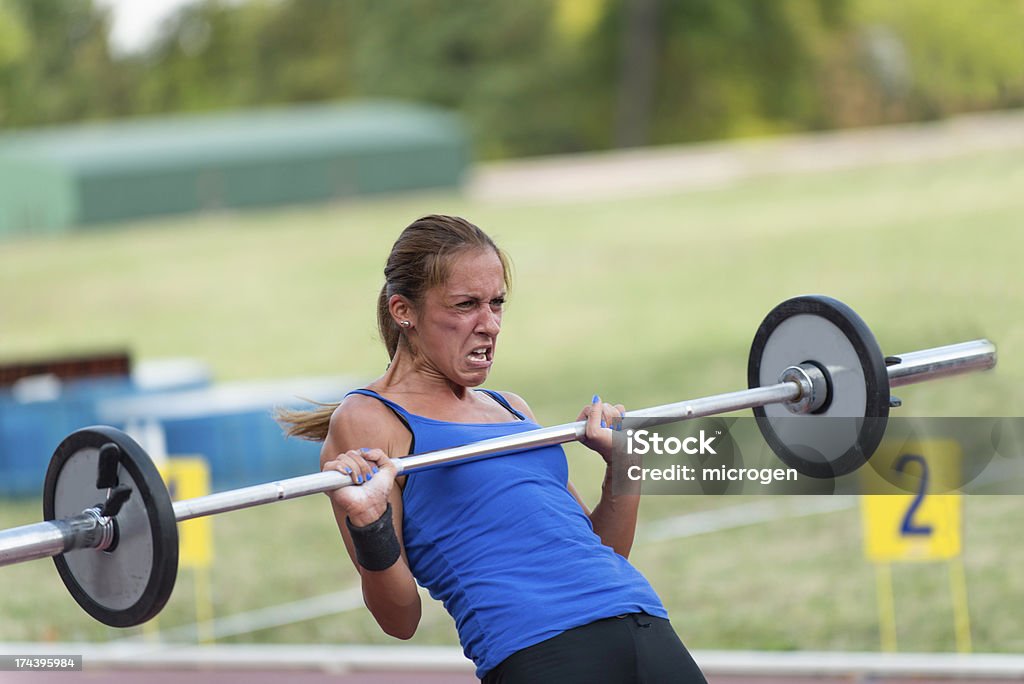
(459, 321)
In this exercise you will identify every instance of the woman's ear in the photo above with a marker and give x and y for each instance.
(401, 311)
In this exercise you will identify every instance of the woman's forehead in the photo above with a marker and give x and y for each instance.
(477, 270)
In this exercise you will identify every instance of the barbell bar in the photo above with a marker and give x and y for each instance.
(929, 364)
(811, 357)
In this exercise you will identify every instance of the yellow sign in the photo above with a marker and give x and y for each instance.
(188, 477)
(918, 525)
(920, 521)
(901, 528)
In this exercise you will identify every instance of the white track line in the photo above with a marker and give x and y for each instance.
(743, 515)
(262, 618)
(449, 658)
(864, 665)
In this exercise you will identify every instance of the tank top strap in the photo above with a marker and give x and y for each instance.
(397, 408)
(503, 401)
(407, 419)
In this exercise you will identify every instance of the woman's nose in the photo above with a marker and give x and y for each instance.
(489, 321)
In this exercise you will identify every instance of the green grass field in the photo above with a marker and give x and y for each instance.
(644, 301)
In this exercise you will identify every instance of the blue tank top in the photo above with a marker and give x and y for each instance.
(505, 546)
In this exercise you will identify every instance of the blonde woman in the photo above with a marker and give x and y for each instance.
(538, 584)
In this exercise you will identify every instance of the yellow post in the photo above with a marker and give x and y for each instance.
(961, 615)
(886, 606)
(188, 477)
(204, 605)
(913, 524)
(151, 631)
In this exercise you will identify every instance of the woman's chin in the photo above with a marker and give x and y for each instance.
(474, 376)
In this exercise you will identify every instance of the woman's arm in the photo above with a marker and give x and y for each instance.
(614, 518)
(390, 594)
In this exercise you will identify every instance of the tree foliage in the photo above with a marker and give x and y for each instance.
(532, 76)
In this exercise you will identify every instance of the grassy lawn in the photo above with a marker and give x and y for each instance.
(644, 301)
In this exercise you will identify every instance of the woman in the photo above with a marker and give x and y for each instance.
(538, 584)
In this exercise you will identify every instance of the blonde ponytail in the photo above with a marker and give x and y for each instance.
(389, 331)
(312, 424)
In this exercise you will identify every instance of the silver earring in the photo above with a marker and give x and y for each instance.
(406, 324)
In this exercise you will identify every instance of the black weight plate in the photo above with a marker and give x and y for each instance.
(130, 584)
(843, 434)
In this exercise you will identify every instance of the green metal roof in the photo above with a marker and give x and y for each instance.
(192, 140)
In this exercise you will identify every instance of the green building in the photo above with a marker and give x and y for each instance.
(56, 179)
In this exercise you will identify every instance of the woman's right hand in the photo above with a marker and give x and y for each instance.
(373, 473)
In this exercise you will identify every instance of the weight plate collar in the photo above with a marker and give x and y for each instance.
(132, 583)
(843, 434)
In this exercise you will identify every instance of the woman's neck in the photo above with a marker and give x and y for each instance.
(408, 374)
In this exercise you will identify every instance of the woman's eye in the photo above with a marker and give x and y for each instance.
(497, 303)
(465, 305)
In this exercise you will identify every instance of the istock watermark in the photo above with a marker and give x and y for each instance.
(730, 456)
(701, 443)
(641, 442)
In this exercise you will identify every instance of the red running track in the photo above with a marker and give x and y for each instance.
(292, 676)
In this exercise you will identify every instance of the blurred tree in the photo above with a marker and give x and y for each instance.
(500, 63)
(533, 76)
(215, 54)
(952, 57)
(67, 73)
(715, 69)
(14, 38)
(575, 19)
(743, 67)
(638, 72)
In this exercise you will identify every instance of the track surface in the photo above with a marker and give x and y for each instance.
(404, 677)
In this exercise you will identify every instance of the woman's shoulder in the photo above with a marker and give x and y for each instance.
(517, 402)
(359, 416)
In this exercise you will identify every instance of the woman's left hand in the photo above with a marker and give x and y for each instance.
(601, 419)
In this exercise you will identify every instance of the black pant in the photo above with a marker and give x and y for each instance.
(631, 649)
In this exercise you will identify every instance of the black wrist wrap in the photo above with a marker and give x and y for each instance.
(376, 544)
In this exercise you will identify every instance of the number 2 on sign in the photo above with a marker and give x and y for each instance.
(909, 527)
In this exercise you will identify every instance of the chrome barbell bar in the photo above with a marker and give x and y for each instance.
(50, 538)
(924, 365)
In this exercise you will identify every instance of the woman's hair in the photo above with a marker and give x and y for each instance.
(420, 259)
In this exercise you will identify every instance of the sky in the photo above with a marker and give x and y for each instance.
(135, 22)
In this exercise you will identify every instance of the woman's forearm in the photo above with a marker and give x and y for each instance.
(614, 518)
(393, 599)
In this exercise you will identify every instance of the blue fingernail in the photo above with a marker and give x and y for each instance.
(364, 449)
(602, 423)
(375, 468)
(359, 479)
(347, 470)
(595, 399)
(369, 477)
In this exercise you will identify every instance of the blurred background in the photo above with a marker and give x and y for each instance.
(197, 198)
(533, 77)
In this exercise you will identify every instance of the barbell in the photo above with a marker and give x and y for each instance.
(812, 358)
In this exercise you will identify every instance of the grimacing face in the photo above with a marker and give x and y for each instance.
(458, 322)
